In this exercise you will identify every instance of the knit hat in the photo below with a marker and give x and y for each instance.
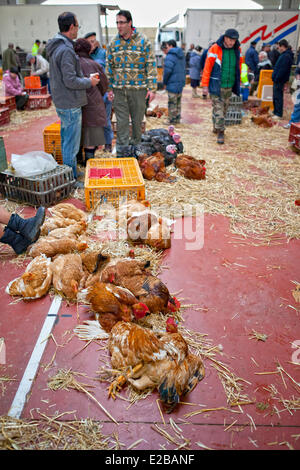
(231, 33)
(88, 35)
(29, 57)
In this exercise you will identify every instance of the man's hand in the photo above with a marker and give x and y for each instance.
(205, 90)
(110, 95)
(95, 79)
(151, 95)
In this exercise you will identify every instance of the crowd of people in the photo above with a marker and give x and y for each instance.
(86, 80)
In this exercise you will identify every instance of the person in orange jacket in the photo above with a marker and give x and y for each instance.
(221, 77)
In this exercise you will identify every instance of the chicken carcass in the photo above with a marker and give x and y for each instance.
(52, 246)
(112, 303)
(67, 275)
(154, 360)
(190, 167)
(36, 280)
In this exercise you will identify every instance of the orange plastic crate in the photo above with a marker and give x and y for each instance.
(52, 141)
(32, 82)
(113, 181)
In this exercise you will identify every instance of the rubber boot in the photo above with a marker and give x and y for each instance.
(195, 94)
(15, 240)
(28, 228)
(221, 137)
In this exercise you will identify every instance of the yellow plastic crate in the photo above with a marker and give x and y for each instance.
(112, 180)
(52, 141)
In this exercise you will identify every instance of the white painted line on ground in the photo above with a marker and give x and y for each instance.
(34, 361)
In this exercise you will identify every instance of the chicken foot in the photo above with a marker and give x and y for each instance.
(121, 380)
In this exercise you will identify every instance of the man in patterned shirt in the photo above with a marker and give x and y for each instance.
(132, 75)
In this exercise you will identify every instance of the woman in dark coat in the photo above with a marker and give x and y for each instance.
(93, 114)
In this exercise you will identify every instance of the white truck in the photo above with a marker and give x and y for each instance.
(23, 24)
(264, 26)
(165, 33)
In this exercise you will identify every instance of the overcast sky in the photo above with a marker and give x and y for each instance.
(152, 12)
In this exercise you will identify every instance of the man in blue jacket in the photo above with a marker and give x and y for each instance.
(68, 87)
(251, 59)
(174, 79)
(280, 76)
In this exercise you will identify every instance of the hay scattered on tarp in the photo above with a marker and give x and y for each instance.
(65, 379)
(249, 180)
(52, 433)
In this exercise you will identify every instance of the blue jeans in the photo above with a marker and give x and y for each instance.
(108, 132)
(70, 133)
(295, 117)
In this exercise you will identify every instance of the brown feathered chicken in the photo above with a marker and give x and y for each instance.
(153, 167)
(52, 223)
(151, 359)
(36, 280)
(71, 231)
(263, 121)
(52, 246)
(64, 215)
(190, 167)
(112, 303)
(159, 235)
(127, 209)
(69, 211)
(148, 289)
(139, 224)
(67, 275)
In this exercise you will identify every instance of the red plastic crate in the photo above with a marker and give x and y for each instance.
(39, 102)
(36, 91)
(8, 102)
(294, 135)
(4, 116)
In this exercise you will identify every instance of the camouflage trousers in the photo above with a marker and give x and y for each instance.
(174, 107)
(219, 108)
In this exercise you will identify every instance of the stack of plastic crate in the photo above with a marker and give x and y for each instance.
(234, 112)
(8, 102)
(4, 116)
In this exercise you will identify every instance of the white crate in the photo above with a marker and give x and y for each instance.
(267, 93)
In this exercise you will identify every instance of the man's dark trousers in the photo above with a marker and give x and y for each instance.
(278, 98)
